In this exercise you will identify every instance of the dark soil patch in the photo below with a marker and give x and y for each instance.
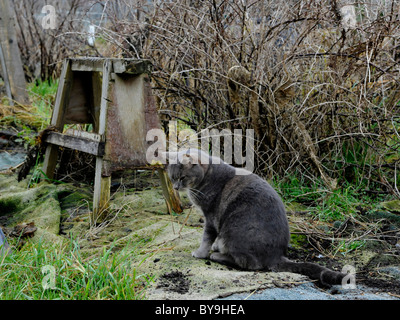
(380, 285)
(134, 180)
(309, 254)
(365, 276)
(4, 219)
(174, 281)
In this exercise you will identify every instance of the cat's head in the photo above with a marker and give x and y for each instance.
(186, 169)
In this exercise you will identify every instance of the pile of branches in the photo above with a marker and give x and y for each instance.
(45, 40)
(318, 81)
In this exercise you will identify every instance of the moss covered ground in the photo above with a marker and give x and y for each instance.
(157, 246)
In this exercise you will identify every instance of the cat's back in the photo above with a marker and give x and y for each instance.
(252, 221)
(249, 189)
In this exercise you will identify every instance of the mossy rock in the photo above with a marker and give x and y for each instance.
(72, 199)
(22, 201)
(378, 215)
(392, 206)
(359, 258)
(392, 271)
(376, 246)
(47, 215)
(380, 260)
(298, 240)
(9, 184)
(294, 207)
(39, 204)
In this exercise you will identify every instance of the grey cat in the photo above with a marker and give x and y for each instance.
(245, 220)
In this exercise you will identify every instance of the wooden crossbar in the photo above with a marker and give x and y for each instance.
(91, 146)
(119, 66)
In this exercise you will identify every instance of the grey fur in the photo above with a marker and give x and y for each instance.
(245, 219)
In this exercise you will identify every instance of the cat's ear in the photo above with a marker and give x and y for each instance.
(188, 159)
(170, 157)
(194, 156)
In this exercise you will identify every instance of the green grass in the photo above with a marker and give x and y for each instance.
(53, 271)
(42, 95)
(34, 117)
(324, 204)
(337, 205)
(348, 246)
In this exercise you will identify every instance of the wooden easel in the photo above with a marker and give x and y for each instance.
(114, 95)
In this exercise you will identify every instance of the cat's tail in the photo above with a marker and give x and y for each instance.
(314, 271)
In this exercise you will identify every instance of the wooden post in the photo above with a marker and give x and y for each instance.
(12, 54)
(57, 119)
(102, 183)
(101, 194)
(171, 196)
(5, 76)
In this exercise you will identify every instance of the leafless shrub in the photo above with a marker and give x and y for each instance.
(43, 49)
(318, 81)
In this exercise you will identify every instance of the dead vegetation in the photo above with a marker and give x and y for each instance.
(43, 50)
(317, 81)
(20, 115)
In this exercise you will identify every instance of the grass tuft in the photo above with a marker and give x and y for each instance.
(60, 271)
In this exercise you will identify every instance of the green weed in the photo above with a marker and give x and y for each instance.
(42, 95)
(337, 205)
(53, 271)
(345, 247)
(323, 204)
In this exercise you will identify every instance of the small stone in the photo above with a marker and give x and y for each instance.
(391, 271)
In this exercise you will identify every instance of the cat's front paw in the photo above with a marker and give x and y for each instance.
(200, 254)
(215, 246)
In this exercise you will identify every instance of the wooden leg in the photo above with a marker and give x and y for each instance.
(57, 119)
(101, 195)
(171, 196)
(50, 161)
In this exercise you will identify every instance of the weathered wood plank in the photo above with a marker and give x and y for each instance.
(126, 126)
(104, 97)
(11, 52)
(101, 192)
(96, 99)
(171, 196)
(132, 67)
(119, 66)
(57, 119)
(76, 143)
(87, 64)
(62, 97)
(84, 134)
